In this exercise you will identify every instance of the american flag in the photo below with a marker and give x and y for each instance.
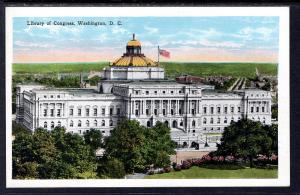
(164, 53)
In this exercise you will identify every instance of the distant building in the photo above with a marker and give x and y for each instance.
(188, 79)
(134, 87)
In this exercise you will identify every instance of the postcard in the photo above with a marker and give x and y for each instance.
(147, 96)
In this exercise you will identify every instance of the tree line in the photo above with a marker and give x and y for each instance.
(57, 154)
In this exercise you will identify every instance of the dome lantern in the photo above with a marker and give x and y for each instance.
(133, 46)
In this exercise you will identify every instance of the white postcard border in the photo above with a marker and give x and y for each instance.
(283, 92)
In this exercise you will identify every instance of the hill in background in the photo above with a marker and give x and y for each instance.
(172, 69)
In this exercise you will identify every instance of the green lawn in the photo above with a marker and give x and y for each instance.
(204, 173)
(226, 69)
(47, 68)
(173, 69)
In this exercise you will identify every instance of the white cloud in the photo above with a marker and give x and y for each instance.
(31, 44)
(119, 30)
(147, 44)
(151, 30)
(262, 33)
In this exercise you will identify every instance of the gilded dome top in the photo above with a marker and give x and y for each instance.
(134, 43)
(139, 60)
(133, 56)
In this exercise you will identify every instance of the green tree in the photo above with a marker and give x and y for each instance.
(272, 132)
(126, 143)
(93, 138)
(18, 129)
(94, 80)
(110, 168)
(245, 138)
(159, 145)
(274, 110)
(27, 170)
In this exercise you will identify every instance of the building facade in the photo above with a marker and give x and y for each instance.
(134, 87)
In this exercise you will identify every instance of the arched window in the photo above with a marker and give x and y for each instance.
(52, 125)
(181, 123)
(95, 123)
(87, 123)
(111, 123)
(45, 125)
(148, 124)
(225, 120)
(194, 123)
(174, 124)
(204, 120)
(79, 123)
(167, 123)
(71, 123)
(59, 123)
(103, 123)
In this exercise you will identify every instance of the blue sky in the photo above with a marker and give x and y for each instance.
(186, 38)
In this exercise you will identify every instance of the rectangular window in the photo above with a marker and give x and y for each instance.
(252, 109)
(219, 110)
(103, 111)
(262, 109)
(211, 110)
(79, 111)
(147, 111)
(232, 109)
(111, 111)
(87, 112)
(118, 111)
(95, 111)
(239, 109)
(225, 110)
(257, 109)
(193, 112)
(45, 112)
(71, 112)
(147, 92)
(52, 112)
(155, 111)
(155, 92)
(58, 112)
(204, 110)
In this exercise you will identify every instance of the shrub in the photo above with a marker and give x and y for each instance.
(206, 158)
(198, 162)
(186, 164)
(167, 169)
(151, 172)
(177, 167)
(161, 171)
(229, 159)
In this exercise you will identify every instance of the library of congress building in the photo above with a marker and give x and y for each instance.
(135, 87)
